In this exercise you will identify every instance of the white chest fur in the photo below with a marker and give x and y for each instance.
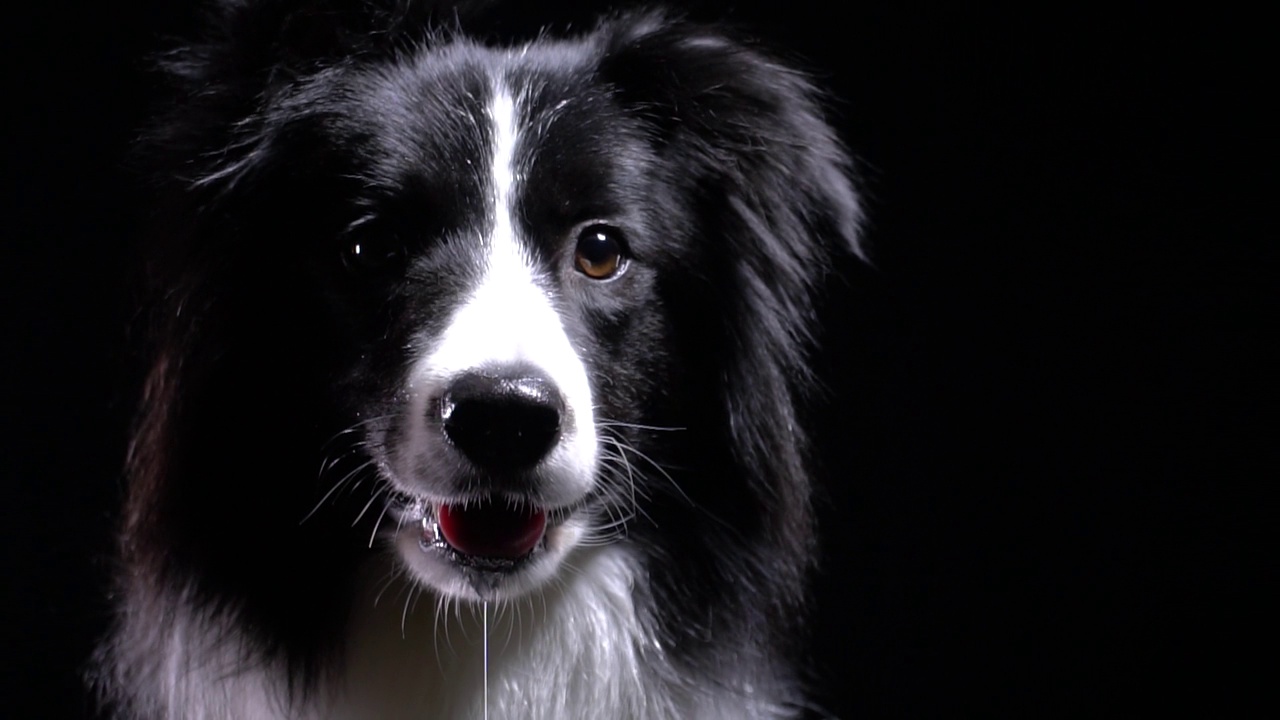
(573, 650)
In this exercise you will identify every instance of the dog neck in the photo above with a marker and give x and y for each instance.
(579, 647)
(578, 644)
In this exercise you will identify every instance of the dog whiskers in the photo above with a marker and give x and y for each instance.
(413, 591)
(354, 427)
(340, 484)
(435, 627)
(637, 426)
(377, 495)
(391, 577)
(377, 523)
(625, 448)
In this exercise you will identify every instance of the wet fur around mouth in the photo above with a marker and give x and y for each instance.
(345, 197)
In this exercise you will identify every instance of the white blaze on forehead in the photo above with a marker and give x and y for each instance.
(510, 318)
(505, 131)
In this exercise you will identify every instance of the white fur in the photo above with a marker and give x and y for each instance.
(181, 661)
(508, 318)
(575, 650)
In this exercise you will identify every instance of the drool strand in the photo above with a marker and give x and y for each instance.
(484, 608)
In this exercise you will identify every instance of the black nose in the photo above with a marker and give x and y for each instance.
(502, 422)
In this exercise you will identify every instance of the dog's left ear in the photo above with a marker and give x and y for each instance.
(752, 156)
(753, 125)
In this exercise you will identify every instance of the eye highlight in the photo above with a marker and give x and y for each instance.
(601, 252)
(371, 257)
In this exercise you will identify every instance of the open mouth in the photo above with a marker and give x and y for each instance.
(495, 544)
(485, 535)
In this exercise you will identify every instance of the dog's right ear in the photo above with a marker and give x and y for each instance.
(273, 41)
(215, 124)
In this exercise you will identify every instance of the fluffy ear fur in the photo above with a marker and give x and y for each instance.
(779, 182)
(247, 37)
(249, 57)
(745, 143)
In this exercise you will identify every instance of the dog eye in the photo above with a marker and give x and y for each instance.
(366, 257)
(600, 254)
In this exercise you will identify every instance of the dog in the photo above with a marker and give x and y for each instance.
(478, 369)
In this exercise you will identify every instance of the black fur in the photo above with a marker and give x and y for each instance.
(273, 155)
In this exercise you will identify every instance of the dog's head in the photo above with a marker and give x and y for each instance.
(507, 296)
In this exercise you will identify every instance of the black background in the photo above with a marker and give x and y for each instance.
(1045, 418)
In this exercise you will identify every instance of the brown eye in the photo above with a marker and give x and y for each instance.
(600, 254)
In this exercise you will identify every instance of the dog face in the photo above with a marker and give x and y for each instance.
(499, 238)
(490, 438)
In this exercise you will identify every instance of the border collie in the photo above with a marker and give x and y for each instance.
(477, 372)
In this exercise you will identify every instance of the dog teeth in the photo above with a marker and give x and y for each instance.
(431, 529)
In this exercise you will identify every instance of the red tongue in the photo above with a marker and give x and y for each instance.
(488, 530)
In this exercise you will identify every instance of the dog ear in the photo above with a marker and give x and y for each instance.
(248, 56)
(744, 118)
(766, 178)
(753, 152)
(269, 40)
